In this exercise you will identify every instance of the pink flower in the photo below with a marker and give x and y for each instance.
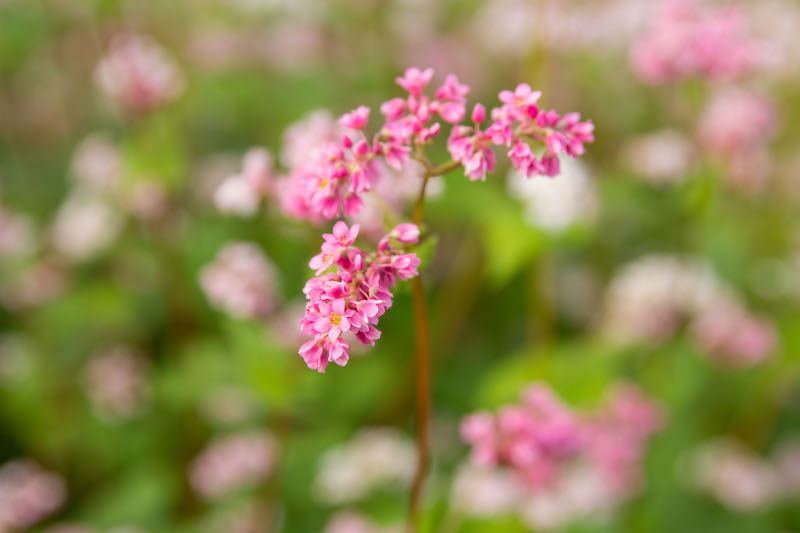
(356, 120)
(733, 336)
(406, 233)
(687, 39)
(472, 148)
(342, 235)
(414, 80)
(351, 299)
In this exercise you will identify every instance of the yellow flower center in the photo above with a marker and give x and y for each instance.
(335, 319)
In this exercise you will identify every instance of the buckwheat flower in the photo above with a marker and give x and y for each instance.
(232, 463)
(241, 193)
(734, 476)
(532, 438)
(117, 383)
(690, 39)
(136, 74)
(355, 120)
(97, 163)
(414, 80)
(730, 334)
(519, 120)
(241, 281)
(557, 204)
(551, 465)
(85, 224)
(352, 298)
(316, 129)
(28, 494)
(647, 299)
(659, 157)
(406, 233)
(374, 458)
(473, 149)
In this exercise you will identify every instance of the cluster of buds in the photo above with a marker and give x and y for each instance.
(351, 298)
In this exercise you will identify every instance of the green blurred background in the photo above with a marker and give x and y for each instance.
(512, 300)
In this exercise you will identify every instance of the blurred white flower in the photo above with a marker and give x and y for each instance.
(479, 491)
(97, 163)
(374, 458)
(84, 225)
(647, 298)
(734, 476)
(659, 157)
(557, 203)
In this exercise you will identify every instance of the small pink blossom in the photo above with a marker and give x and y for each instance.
(350, 299)
(356, 120)
(414, 80)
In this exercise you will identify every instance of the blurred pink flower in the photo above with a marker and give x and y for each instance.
(551, 465)
(233, 462)
(734, 336)
(136, 74)
(117, 383)
(688, 38)
(241, 281)
(28, 494)
(242, 193)
(736, 126)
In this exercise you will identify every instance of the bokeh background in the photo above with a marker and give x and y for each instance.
(149, 376)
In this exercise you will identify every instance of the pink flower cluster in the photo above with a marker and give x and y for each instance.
(516, 122)
(332, 181)
(136, 74)
(688, 39)
(734, 336)
(736, 126)
(533, 438)
(351, 298)
(541, 439)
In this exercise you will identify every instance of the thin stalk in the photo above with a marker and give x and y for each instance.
(423, 380)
